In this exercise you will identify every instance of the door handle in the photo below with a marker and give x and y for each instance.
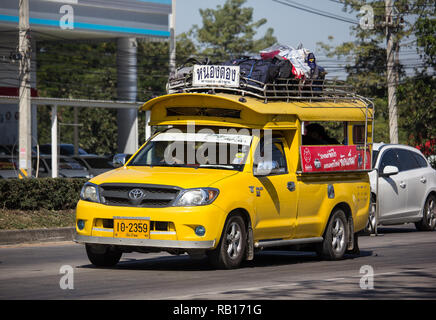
(291, 186)
(423, 180)
(402, 185)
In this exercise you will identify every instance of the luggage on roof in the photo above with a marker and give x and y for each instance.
(279, 72)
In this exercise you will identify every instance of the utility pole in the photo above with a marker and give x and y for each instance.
(127, 87)
(172, 24)
(24, 125)
(392, 73)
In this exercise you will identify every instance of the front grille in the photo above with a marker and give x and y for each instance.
(154, 196)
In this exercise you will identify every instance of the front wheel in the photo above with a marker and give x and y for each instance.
(231, 249)
(335, 240)
(103, 256)
(428, 222)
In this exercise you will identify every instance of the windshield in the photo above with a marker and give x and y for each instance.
(199, 150)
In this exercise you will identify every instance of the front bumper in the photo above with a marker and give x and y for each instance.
(179, 222)
(152, 243)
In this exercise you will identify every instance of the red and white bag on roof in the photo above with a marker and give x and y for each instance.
(297, 57)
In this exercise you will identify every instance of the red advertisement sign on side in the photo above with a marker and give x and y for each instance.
(333, 158)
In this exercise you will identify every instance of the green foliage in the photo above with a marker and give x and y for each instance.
(366, 61)
(417, 98)
(365, 65)
(43, 193)
(71, 69)
(68, 69)
(88, 70)
(36, 219)
(229, 30)
(78, 70)
(426, 39)
(381, 124)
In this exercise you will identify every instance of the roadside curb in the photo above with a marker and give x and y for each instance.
(36, 235)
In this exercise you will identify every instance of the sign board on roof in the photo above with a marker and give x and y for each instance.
(204, 75)
(114, 18)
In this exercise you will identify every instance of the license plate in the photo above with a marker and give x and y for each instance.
(132, 228)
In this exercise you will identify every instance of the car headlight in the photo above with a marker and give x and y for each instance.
(90, 192)
(196, 197)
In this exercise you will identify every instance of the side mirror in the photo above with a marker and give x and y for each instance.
(389, 171)
(120, 159)
(265, 168)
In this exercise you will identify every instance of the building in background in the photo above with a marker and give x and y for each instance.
(120, 20)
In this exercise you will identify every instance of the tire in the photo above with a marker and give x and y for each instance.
(370, 226)
(231, 249)
(428, 222)
(103, 256)
(335, 241)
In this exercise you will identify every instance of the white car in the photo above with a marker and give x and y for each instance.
(406, 187)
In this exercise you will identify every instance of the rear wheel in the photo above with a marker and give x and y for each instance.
(231, 249)
(428, 222)
(335, 240)
(103, 256)
(370, 226)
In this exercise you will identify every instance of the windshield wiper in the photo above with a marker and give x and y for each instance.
(219, 166)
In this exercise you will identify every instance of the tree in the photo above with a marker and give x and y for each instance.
(78, 70)
(418, 105)
(229, 30)
(366, 63)
(88, 70)
(426, 40)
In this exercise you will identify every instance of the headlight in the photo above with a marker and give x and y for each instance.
(90, 192)
(196, 197)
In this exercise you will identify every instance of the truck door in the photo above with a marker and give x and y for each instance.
(275, 194)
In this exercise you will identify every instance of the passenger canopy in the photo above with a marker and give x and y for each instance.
(228, 109)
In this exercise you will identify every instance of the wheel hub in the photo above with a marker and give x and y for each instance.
(234, 243)
(338, 232)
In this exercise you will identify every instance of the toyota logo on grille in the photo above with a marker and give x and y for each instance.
(136, 194)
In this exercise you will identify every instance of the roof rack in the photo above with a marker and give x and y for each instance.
(280, 89)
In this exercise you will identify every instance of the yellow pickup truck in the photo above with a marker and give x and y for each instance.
(234, 172)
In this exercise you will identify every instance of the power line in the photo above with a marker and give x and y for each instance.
(375, 5)
(318, 12)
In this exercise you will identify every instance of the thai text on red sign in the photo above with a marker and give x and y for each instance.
(334, 158)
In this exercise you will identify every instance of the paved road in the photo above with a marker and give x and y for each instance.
(403, 261)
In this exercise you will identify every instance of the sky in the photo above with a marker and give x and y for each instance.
(291, 26)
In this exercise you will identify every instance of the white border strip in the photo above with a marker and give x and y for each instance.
(204, 137)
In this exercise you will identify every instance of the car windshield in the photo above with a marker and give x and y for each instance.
(199, 150)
